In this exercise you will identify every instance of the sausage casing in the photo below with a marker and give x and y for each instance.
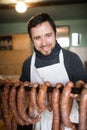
(83, 110)
(55, 108)
(66, 104)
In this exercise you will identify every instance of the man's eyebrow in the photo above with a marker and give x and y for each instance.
(35, 37)
(49, 33)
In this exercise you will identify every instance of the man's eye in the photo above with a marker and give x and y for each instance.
(37, 38)
(49, 35)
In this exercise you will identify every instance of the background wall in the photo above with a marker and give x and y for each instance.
(11, 60)
(79, 26)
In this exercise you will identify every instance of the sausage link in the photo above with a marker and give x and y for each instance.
(5, 106)
(55, 107)
(42, 97)
(47, 83)
(12, 103)
(21, 105)
(62, 126)
(49, 101)
(14, 124)
(83, 110)
(79, 84)
(66, 104)
(49, 96)
(30, 110)
(32, 103)
(33, 96)
(2, 83)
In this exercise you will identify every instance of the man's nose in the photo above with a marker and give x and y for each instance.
(44, 42)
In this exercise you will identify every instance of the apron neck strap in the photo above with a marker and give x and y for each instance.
(61, 59)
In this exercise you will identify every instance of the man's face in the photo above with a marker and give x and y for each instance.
(43, 38)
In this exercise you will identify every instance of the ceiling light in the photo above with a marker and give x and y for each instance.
(21, 7)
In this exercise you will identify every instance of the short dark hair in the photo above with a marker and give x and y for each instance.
(38, 19)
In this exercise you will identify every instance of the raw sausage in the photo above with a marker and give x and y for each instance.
(55, 108)
(49, 96)
(14, 124)
(33, 96)
(79, 84)
(49, 101)
(5, 106)
(30, 110)
(42, 97)
(21, 105)
(66, 104)
(12, 103)
(83, 110)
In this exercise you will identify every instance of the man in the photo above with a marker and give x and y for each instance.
(49, 61)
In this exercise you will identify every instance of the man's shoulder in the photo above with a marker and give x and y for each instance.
(27, 61)
(68, 53)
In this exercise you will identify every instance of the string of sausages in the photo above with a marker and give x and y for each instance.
(20, 100)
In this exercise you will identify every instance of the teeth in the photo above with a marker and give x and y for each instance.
(45, 48)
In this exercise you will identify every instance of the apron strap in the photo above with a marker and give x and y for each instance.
(61, 58)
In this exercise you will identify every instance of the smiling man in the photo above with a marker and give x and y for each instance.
(49, 62)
